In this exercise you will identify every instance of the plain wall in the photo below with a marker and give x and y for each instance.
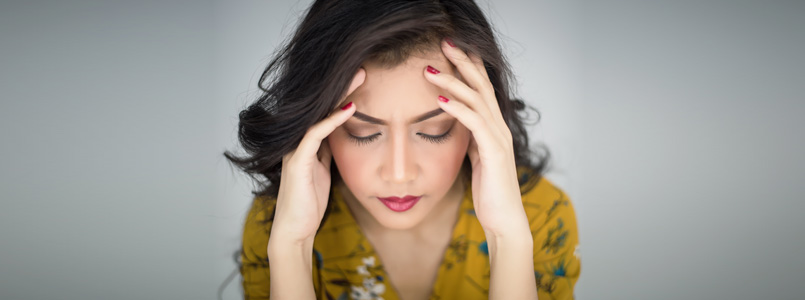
(674, 127)
(692, 144)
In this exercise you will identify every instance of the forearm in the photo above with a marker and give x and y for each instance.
(511, 260)
(291, 268)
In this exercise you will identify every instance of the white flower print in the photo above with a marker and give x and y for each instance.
(371, 289)
(369, 261)
(375, 288)
(359, 293)
(577, 252)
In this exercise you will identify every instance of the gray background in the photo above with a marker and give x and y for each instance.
(676, 128)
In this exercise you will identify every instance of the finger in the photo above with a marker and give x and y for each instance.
(311, 142)
(458, 89)
(494, 106)
(469, 71)
(481, 131)
(335, 118)
(357, 80)
(479, 63)
(472, 69)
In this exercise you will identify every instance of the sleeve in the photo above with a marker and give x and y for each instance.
(254, 266)
(557, 263)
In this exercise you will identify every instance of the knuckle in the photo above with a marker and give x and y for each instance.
(453, 81)
(490, 93)
(461, 55)
(475, 118)
(487, 85)
(477, 98)
(477, 103)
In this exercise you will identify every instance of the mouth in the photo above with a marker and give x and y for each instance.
(398, 204)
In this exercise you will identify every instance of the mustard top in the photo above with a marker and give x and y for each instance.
(346, 265)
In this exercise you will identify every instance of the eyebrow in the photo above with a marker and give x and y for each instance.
(420, 118)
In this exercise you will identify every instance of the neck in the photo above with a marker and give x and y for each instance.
(438, 222)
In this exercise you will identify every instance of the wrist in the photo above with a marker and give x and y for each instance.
(512, 228)
(288, 233)
(282, 243)
(514, 237)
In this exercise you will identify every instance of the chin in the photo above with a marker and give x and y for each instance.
(399, 223)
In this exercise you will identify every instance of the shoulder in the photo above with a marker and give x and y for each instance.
(256, 230)
(540, 195)
(259, 218)
(254, 267)
(551, 216)
(545, 197)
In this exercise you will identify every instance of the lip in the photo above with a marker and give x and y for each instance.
(398, 204)
(398, 199)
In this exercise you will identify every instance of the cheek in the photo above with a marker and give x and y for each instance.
(347, 157)
(445, 159)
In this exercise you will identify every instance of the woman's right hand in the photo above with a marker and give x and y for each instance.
(305, 183)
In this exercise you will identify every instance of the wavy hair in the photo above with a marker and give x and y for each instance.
(306, 77)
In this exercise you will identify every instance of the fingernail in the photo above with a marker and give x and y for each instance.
(449, 42)
(433, 70)
(347, 106)
(443, 99)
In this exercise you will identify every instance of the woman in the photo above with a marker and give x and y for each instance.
(421, 186)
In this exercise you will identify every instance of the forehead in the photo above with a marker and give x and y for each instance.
(398, 93)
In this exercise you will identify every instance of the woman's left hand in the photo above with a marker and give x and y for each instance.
(495, 187)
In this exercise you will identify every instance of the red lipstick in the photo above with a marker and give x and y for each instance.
(400, 204)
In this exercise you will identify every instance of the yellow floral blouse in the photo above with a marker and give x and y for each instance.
(345, 265)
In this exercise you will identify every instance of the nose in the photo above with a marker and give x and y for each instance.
(399, 165)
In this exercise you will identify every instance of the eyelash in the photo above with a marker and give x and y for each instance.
(433, 139)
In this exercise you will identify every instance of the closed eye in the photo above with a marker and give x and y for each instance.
(436, 139)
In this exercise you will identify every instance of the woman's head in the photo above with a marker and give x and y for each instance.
(399, 142)
(393, 41)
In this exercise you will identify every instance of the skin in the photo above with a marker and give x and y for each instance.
(401, 161)
(396, 163)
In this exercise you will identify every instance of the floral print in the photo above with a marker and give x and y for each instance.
(372, 287)
(346, 265)
(371, 290)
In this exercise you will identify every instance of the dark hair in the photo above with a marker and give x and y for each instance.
(305, 79)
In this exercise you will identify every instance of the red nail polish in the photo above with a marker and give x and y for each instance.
(443, 99)
(433, 70)
(449, 42)
(347, 106)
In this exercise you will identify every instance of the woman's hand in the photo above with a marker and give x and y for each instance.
(305, 182)
(495, 187)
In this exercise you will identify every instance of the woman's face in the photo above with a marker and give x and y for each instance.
(383, 150)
